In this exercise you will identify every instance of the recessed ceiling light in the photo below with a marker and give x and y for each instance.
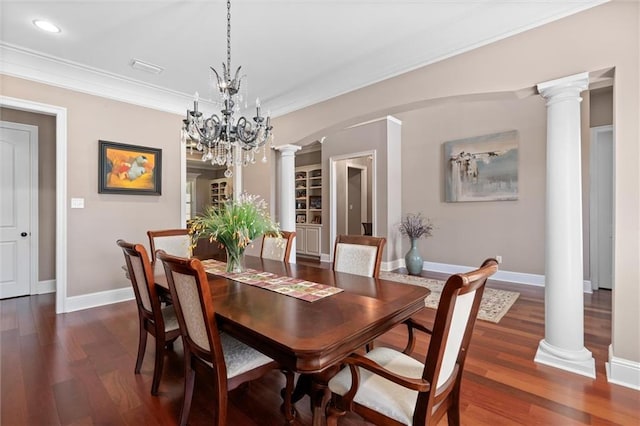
(46, 26)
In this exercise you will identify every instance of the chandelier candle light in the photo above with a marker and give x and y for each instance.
(220, 137)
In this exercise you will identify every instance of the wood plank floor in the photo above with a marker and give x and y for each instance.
(77, 369)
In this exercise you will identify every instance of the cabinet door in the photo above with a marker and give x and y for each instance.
(312, 243)
(301, 240)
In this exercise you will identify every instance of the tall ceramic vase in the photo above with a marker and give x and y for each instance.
(413, 260)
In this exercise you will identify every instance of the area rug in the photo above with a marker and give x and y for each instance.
(494, 305)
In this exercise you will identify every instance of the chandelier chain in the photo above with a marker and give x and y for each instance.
(229, 36)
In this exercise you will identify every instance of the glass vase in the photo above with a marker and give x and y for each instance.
(235, 259)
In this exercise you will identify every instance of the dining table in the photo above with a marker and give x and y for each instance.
(310, 337)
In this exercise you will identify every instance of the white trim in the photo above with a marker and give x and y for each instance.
(47, 286)
(536, 280)
(392, 265)
(333, 205)
(61, 187)
(622, 372)
(34, 236)
(101, 298)
(325, 257)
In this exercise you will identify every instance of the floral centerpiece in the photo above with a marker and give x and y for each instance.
(415, 226)
(234, 225)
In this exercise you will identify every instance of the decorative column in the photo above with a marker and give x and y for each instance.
(563, 343)
(286, 191)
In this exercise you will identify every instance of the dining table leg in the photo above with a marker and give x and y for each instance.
(320, 394)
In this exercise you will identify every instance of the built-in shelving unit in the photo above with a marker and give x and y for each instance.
(220, 191)
(308, 187)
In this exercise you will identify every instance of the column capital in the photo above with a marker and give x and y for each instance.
(287, 150)
(566, 86)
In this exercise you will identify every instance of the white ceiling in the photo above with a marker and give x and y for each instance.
(294, 53)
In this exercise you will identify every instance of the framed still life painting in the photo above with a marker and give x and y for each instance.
(482, 168)
(129, 169)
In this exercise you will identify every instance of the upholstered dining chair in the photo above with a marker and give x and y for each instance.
(358, 254)
(277, 248)
(173, 241)
(389, 387)
(225, 361)
(160, 322)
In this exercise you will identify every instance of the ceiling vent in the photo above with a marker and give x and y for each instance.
(137, 64)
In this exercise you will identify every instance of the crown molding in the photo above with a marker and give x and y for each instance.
(23, 63)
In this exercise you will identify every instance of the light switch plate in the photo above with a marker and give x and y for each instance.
(77, 203)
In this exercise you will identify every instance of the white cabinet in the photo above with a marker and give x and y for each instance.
(308, 239)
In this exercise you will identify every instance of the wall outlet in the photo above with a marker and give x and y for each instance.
(499, 258)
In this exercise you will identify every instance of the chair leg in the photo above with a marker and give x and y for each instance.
(142, 346)
(453, 412)
(157, 370)
(189, 381)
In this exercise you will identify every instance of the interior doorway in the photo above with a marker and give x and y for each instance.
(19, 209)
(601, 207)
(348, 212)
(357, 209)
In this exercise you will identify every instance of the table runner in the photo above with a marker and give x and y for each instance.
(294, 287)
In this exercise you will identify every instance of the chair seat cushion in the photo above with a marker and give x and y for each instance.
(240, 358)
(170, 319)
(380, 394)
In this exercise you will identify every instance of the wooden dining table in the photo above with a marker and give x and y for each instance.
(311, 338)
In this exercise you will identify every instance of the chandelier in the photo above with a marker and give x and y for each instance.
(220, 137)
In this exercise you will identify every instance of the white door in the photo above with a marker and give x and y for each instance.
(601, 209)
(15, 208)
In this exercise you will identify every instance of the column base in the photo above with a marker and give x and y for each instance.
(578, 362)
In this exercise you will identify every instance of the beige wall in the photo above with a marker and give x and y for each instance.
(467, 233)
(602, 38)
(46, 186)
(601, 107)
(94, 260)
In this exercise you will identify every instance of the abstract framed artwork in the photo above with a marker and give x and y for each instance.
(129, 169)
(482, 168)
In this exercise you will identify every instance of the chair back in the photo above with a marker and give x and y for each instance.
(358, 254)
(173, 241)
(141, 276)
(277, 248)
(194, 308)
(452, 330)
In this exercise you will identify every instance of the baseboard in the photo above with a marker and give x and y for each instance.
(623, 372)
(325, 258)
(101, 298)
(44, 287)
(390, 266)
(508, 276)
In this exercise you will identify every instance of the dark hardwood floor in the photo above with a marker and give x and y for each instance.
(77, 369)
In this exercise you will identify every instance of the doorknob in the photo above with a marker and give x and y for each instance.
(23, 234)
